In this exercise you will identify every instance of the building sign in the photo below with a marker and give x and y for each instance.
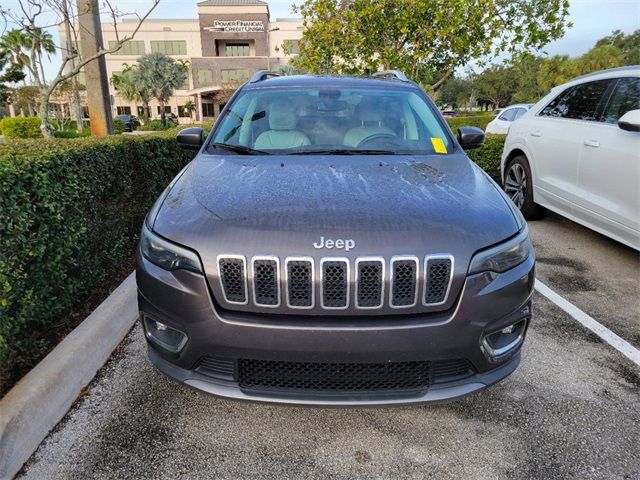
(236, 26)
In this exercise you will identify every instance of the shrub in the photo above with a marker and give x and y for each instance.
(479, 121)
(156, 125)
(70, 213)
(20, 127)
(488, 155)
(118, 126)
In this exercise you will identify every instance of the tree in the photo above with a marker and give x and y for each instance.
(526, 71)
(14, 44)
(28, 18)
(9, 73)
(496, 85)
(426, 39)
(629, 45)
(189, 107)
(455, 92)
(162, 75)
(131, 87)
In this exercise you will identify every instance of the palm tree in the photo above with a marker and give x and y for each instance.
(189, 107)
(162, 75)
(40, 43)
(14, 44)
(130, 87)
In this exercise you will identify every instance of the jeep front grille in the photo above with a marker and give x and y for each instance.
(438, 274)
(369, 282)
(300, 282)
(334, 283)
(296, 284)
(233, 278)
(266, 288)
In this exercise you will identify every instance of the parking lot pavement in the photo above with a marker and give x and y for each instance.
(571, 410)
(598, 275)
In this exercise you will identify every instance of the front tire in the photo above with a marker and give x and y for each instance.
(518, 185)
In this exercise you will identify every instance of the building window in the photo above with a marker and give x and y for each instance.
(167, 109)
(237, 50)
(205, 77)
(123, 110)
(169, 47)
(132, 47)
(182, 112)
(207, 110)
(233, 76)
(291, 47)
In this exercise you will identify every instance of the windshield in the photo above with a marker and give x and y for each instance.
(345, 121)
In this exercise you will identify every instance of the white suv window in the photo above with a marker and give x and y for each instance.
(508, 115)
(579, 102)
(625, 97)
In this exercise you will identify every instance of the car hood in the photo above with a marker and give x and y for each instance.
(446, 201)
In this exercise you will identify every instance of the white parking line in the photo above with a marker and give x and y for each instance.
(624, 347)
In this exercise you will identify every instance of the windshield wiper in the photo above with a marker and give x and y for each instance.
(238, 149)
(343, 151)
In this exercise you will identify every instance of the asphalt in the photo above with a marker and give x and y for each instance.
(571, 410)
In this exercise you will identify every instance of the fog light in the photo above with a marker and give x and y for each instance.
(504, 340)
(164, 336)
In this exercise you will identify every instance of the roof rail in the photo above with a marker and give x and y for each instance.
(262, 75)
(397, 74)
(606, 70)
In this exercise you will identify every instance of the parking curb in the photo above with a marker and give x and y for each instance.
(42, 397)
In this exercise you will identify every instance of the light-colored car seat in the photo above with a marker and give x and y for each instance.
(371, 116)
(282, 131)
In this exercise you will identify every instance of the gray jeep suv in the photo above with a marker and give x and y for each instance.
(332, 244)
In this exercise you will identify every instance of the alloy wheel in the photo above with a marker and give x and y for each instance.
(515, 184)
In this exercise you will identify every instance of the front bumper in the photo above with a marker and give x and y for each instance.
(487, 302)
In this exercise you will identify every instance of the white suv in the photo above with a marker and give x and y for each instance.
(577, 152)
(500, 125)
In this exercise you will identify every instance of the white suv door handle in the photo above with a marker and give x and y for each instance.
(592, 143)
(536, 133)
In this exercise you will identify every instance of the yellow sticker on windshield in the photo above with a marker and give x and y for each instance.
(438, 145)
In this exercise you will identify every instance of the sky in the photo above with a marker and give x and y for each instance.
(592, 19)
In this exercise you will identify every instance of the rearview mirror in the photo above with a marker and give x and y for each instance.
(191, 138)
(630, 121)
(470, 137)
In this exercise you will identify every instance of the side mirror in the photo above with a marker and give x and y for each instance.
(470, 137)
(630, 121)
(191, 138)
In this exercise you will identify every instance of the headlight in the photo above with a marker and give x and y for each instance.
(167, 255)
(504, 256)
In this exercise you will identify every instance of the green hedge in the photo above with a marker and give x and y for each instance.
(156, 125)
(479, 121)
(70, 213)
(488, 155)
(20, 127)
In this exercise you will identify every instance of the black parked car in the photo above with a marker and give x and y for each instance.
(131, 122)
(332, 244)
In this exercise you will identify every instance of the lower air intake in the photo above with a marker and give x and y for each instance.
(277, 376)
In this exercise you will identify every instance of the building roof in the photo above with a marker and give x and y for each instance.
(229, 3)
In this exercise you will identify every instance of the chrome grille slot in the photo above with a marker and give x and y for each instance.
(266, 285)
(438, 273)
(335, 283)
(233, 278)
(404, 281)
(369, 282)
(300, 282)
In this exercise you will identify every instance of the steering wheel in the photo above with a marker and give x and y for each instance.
(376, 136)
